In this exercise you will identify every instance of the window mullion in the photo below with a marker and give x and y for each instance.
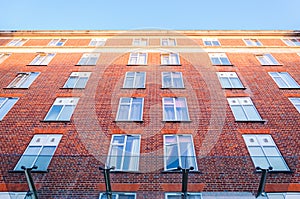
(285, 81)
(134, 80)
(130, 107)
(244, 111)
(172, 80)
(3, 103)
(231, 84)
(174, 107)
(77, 80)
(179, 151)
(63, 106)
(37, 155)
(123, 152)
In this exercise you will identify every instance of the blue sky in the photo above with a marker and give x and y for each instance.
(157, 14)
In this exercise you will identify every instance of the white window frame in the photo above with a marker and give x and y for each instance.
(117, 195)
(135, 83)
(287, 195)
(88, 59)
(57, 42)
(42, 141)
(97, 42)
(6, 104)
(211, 42)
(17, 42)
(296, 102)
(285, 78)
(140, 42)
(64, 102)
(252, 42)
(13, 195)
(139, 57)
(291, 42)
(180, 157)
(172, 84)
(132, 156)
(174, 99)
(130, 110)
(243, 103)
(220, 57)
(79, 77)
(168, 42)
(4, 56)
(180, 195)
(262, 147)
(23, 80)
(42, 59)
(267, 59)
(232, 78)
(170, 59)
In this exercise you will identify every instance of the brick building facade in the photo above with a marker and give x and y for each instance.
(146, 103)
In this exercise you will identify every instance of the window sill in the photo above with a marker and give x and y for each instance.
(37, 65)
(256, 171)
(16, 88)
(177, 121)
(133, 88)
(290, 88)
(244, 88)
(120, 171)
(179, 171)
(56, 121)
(137, 65)
(171, 88)
(72, 88)
(85, 65)
(170, 65)
(32, 171)
(222, 64)
(128, 121)
(272, 64)
(252, 121)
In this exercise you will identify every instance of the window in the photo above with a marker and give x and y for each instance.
(23, 80)
(211, 42)
(13, 195)
(267, 59)
(77, 80)
(296, 103)
(124, 152)
(42, 59)
(130, 109)
(119, 196)
(140, 42)
(284, 80)
(179, 151)
(57, 42)
(264, 152)
(97, 42)
(62, 109)
(291, 195)
(89, 59)
(175, 109)
(168, 42)
(6, 104)
(170, 59)
(3, 56)
(39, 152)
(179, 196)
(137, 59)
(172, 80)
(17, 42)
(292, 42)
(252, 42)
(219, 59)
(135, 80)
(243, 109)
(229, 80)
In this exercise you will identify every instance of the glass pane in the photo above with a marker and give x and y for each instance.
(215, 61)
(131, 153)
(115, 157)
(92, 61)
(81, 82)
(171, 156)
(215, 43)
(133, 60)
(43, 162)
(66, 113)
(136, 110)
(262, 60)
(170, 139)
(225, 82)
(256, 151)
(118, 139)
(104, 196)
(83, 61)
(275, 196)
(6, 106)
(142, 58)
(278, 163)
(291, 82)
(71, 82)
(27, 161)
(129, 82)
(169, 112)
(238, 112)
(251, 112)
(181, 114)
(167, 80)
(174, 197)
(280, 82)
(271, 58)
(271, 151)
(225, 61)
(140, 79)
(123, 112)
(54, 112)
(260, 162)
(123, 196)
(236, 83)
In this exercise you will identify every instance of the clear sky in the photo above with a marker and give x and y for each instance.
(142, 14)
